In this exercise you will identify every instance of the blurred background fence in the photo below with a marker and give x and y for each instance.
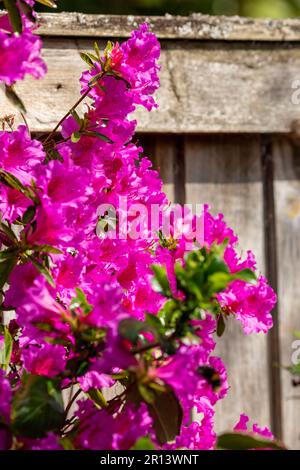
(226, 133)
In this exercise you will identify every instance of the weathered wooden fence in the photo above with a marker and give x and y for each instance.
(226, 133)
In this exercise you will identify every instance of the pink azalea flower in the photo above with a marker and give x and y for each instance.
(50, 442)
(19, 154)
(251, 304)
(45, 359)
(242, 426)
(19, 56)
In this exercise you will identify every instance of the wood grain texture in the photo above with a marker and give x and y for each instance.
(287, 200)
(206, 87)
(226, 173)
(195, 26)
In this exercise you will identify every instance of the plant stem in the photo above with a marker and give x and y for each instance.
(67, 114)
(72, 401)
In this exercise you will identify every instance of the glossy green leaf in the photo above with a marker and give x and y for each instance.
(29, 215)
(11, 180)
(46, 249)
(48, 3)
(99, 135)
(37, 407)
(97, 50)
(14, 15)
(97, 398)
(86, 58)
(6, 267)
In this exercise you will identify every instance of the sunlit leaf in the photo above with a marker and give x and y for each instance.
(160, 282)
(48, 3)
(43, 270)
(46, 249)
(75, 137)
(244, 441)
(86, 58)
(6, 351)
(144, 443)
(14, 15)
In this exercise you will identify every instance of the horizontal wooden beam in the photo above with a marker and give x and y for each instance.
(206, 86)
(195, 26)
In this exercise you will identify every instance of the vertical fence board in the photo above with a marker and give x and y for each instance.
(226, 173)
(161, 149)
(287, 201)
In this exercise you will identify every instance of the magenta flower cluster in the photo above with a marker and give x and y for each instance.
(20, 51)
(70, 289)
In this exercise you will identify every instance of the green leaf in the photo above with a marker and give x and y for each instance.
(97, 50)
(216, 265)
(86, 58)
(80, 301)
(220, 325)
(28, 215)
(219, 281)
(46, 249)
(166, 413)
(97, 398)
(8, 232)
(99, 135)
(95, 79)
(244, 441)
(5, 353)
(76, 116)
(154, 322)
(66, 443)
(6, 267)
(14, 98)
(75, 137)
(246, 275)
(130, 329)
(14, 15)
(12, 181)
(8, 253)
(144, 443)
(37, 407)
(43, 270)
(48, 3)
(160, 282)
